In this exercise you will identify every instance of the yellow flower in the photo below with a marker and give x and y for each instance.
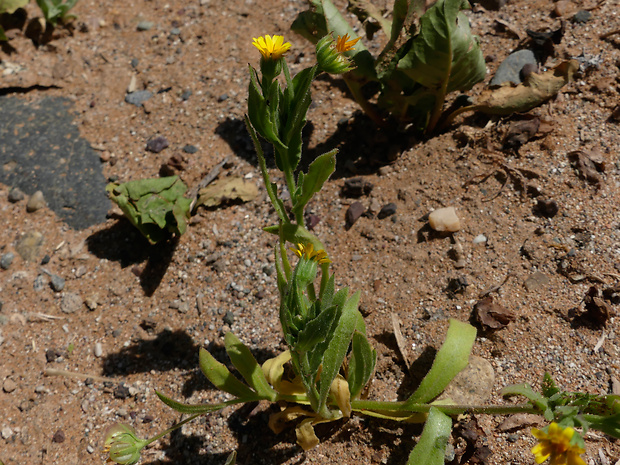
(556, 445)
(343, 44)
(307, 251)
(271, 48)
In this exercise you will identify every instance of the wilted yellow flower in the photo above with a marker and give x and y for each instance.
(343, 44)
(271, 48)
(556, 446)
(307, 251)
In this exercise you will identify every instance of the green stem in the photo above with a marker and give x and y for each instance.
(440, 97)
(285, 263)
(263, 169)
(324, 277)
(401, 407)
(170, 430)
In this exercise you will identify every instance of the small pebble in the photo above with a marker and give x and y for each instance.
(35, 202)
(71, 302)
(90, 449)
(134, 62)
(387, 210)
(138, 97)
(6, 260)
(157, 144)
(98, 350)
(190, 149)
(9, 385)
(59, 437)
(222, 98)
(57, 283)
(39, 283)
(7, 432)
(29, 245)
(45, 260)
(229, 318)
(546, 208)
(186, 95)
(175, 31)
(121, 392)
(582, 16)
(145, 25)
(480, 239)
(355, 210)
(16, 195)
(444, 219)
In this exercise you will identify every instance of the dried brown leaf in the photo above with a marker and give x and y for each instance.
(227, 189)
(492, 315)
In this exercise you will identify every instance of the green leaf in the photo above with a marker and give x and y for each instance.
(452, 357)
(526, 391)
(9, 6)
(155, 206)
(244, 361)
(609, 425)
(222, 378)
(445, 54)
(549, 387)
(431, 448)
(338, 346)
(319, 171)
(199, 408)
(315, 330)
(361, 365)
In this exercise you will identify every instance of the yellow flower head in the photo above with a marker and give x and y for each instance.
(556, 445)
(271, 48)
(307, 251)
(343, 44)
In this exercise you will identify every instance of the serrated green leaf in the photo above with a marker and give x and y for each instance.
(361, 365)
(445, 54)
(451, 358)
(319, 172)
(199, 408)
(431, 448)
(222, 378)
(246, 364)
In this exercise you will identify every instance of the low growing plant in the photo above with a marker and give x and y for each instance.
(420, 64)
(330, 359)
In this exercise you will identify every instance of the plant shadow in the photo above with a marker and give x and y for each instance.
(123, 243)
(169, 350)
(363, 147)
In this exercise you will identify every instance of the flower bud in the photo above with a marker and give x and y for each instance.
(122, 445)
(330, 54)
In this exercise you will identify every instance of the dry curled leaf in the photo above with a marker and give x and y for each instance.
(225, 190)
(589, 165)
(492, 315)
(597, 310)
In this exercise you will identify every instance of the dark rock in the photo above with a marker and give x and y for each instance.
(582, 16)
(186, 94)
(157, 144)
(494, 5)
(6, 260)
(229, 318)
(387, 210)
(510, 69)
(138, 97)
(51, 355)
(45, 260)
(546, 208)
(16, 195)
(190, 149)
(59, 437)
(57, 283)
(134, 62)
(222, 98)
(355, 210)
(356, 187)
(121, 392)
